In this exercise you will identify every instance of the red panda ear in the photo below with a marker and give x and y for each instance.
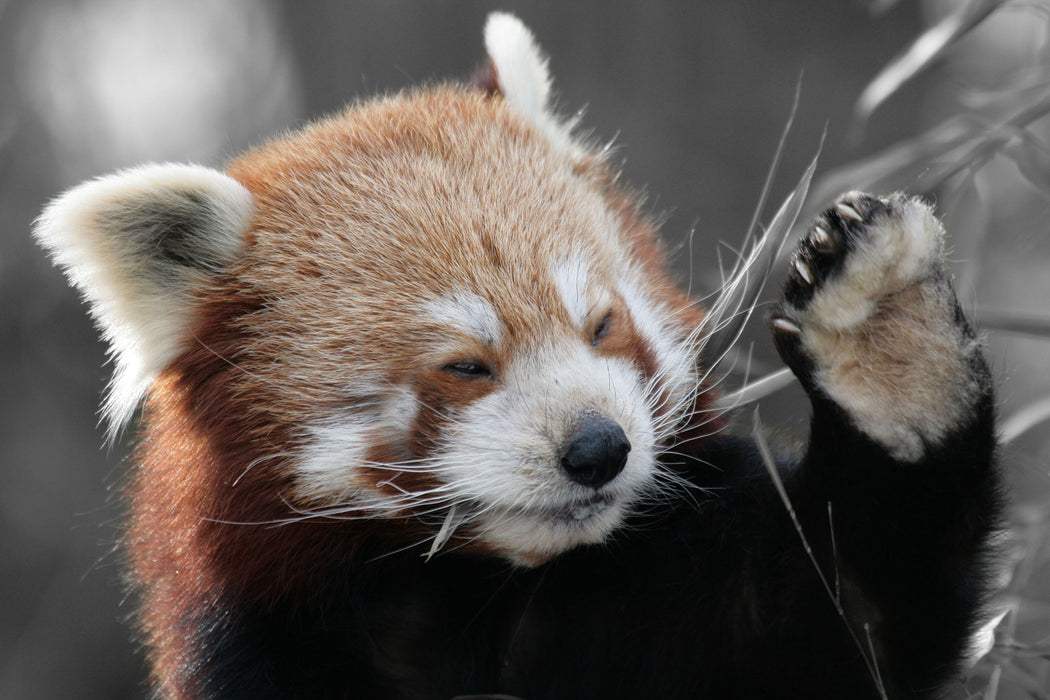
(484, 79)
(139, 245)
(518, 71)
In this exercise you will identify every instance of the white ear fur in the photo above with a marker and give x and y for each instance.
(521, 71)
(137, 245)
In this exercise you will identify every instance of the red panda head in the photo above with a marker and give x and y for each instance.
(435, 310)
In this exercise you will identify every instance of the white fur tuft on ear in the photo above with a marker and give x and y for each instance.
(521, 71)
(139, 245)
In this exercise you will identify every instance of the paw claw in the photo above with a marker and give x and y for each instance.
(847, 212)
(822, 241)
(785, 326)
(803, 270)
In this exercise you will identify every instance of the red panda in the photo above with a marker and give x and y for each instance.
(423, 415)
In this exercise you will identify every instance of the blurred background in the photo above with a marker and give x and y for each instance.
(943, 97)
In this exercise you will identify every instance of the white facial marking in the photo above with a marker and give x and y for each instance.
(329, 464)
(326, 465)
(580, 297)
(571, 278)
(467, 313)
(675, 356)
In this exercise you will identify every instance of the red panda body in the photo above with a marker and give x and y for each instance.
(424, 416)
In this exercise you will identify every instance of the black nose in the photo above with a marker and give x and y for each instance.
(596, 452)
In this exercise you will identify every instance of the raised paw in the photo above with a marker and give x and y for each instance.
(857, 252)
(869, 320)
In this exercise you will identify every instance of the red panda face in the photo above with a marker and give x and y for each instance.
(458, 325)
(435, 311)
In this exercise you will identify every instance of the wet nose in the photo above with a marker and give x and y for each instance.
(596, 452)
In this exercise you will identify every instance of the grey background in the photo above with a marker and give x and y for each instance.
(694, 93)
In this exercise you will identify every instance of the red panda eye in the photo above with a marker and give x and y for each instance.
(469, 369)
(601, 329)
